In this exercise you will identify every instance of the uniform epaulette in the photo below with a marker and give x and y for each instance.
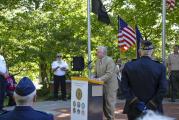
(44, 113)
(133, 59)
(156, 61)
(4, 112)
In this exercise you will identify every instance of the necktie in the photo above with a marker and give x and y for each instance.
(100, 61)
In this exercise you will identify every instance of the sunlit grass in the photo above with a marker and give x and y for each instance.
(63, 115)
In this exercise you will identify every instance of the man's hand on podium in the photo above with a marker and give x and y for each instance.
(98, 79)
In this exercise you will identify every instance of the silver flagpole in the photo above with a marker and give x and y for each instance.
(89, 39)
(163, 30)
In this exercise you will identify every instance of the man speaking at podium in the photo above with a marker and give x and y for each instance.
(105, 71)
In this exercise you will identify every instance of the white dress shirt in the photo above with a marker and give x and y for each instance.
(61, 64)
(3, 67)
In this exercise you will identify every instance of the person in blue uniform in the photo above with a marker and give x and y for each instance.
(25, 96)
(143, 84)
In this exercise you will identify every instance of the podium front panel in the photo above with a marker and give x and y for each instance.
(95, 102)
(86, 99)
(79, 100)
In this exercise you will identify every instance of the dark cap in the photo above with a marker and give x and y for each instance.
(59, 54)
(147, 45)
(25, 87)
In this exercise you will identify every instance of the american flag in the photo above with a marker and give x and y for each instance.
(126, 35)
(171, 4)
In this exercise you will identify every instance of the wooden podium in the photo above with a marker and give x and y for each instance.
(86, 99)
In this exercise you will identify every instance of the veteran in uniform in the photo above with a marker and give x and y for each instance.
(173, 69)
(25, 96)
(105, 71)
(3, 76)
(143, 84)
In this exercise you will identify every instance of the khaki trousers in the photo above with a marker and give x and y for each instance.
(109, 101)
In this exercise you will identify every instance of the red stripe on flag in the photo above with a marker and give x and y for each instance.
(129, 39)
(121, 41)
(126, 38)
(130, 32)
(171, 4)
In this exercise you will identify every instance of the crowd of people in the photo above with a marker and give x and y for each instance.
(141, 82)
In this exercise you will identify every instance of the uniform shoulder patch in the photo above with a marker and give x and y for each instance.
(133, 59)
(40, 112)
(4, 113)
(44, 113)
(156, 61)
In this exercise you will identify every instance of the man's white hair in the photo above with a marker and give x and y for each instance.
(147, 52)
(24, 100)
(103, 48)
(154, 116)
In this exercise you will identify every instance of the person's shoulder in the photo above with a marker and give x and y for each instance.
(171, 54)
(64, 61)
(1, 57)
(158, 63)
(44, 114)
(54, 62)
(36, 113)
(4, 115)
(132, 61)
(108, 58)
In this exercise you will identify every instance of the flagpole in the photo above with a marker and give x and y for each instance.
(118, 38)
(163, 30)
(89, 38)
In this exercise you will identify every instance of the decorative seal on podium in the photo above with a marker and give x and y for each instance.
(74, 103)
(78, 104)
(83, 106)
(79, 94)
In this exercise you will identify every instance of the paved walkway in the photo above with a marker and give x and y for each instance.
(61, 109)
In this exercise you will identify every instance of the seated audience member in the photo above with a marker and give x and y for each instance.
(25, 96)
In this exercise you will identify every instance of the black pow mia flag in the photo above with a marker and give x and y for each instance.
(99, 9)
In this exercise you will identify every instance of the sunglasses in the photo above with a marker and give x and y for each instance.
(59, 56)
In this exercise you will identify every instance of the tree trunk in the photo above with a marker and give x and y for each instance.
(43, 73)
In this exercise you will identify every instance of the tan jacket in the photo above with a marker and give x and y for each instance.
(173, 61)
(106, 72)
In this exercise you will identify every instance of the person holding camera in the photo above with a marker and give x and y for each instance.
(59, 68)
